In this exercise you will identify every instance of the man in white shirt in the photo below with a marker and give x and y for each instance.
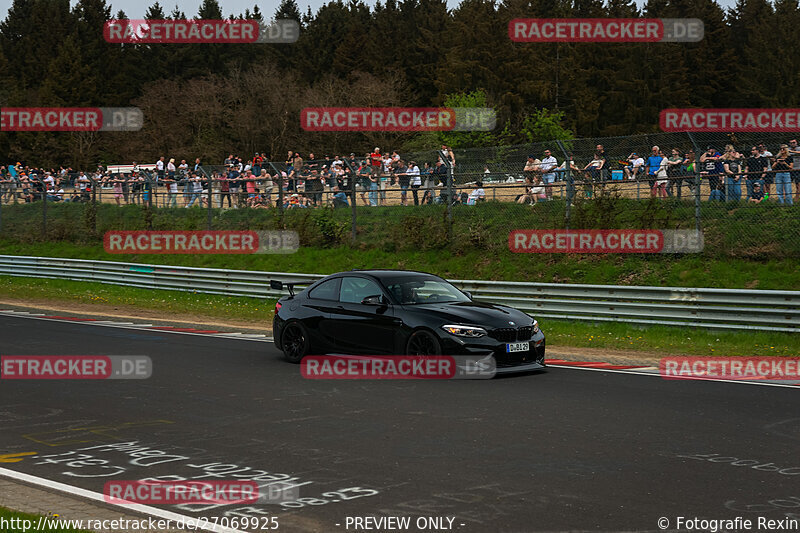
(547, 165)
(414, 179)
(385, 177)
(160, 168)
(477, 194)
(82, 181)
(636, 164)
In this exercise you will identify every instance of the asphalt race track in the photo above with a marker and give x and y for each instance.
(561, 450)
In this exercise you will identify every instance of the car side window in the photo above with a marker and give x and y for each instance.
(356, 289)
(327, 290)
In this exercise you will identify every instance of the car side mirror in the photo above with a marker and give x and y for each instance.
(469, 294)
(373, 300)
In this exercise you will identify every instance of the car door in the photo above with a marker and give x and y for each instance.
(322, 300)
(361, 328)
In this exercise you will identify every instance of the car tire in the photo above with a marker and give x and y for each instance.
(294, 342)
(423, 342)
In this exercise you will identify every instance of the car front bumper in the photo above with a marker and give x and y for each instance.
(532, 359)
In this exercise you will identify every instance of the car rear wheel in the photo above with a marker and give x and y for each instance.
(423, 342)
(294, 342)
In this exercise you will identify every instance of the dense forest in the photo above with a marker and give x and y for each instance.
(208, 100)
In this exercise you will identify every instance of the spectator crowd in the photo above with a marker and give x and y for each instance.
(310, 181)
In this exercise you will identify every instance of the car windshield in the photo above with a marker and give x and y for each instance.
(412, 290)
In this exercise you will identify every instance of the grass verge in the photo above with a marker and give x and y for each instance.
(621, 269)
(610, 336)
(178, 304)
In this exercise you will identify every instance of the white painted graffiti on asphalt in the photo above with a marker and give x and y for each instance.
(130, 458)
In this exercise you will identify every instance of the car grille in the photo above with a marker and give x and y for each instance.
(512, 334)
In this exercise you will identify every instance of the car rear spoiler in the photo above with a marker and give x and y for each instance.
(279, 285)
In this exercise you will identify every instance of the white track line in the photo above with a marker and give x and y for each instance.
(141, 327)
(96, 496)
(658, 375)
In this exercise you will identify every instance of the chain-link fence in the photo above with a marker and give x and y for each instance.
(739, 189)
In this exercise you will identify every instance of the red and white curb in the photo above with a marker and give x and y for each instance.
(553, 363)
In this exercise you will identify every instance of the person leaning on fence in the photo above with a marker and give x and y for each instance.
(732, 167)
(769, 176)
(652, 164)
(674, 172)
(314, 186)
(755, 168)
(532, 166)
(117, 186)
(547, 168)
(659, 188)
(415, 181)
(569, 171)
(362, 179)
(387, 178)
(592, 172)
(196, 188)
(712, 169)
(374, 184)
(794, 151)
(266, 185)
(160, 167)
(782, 166)
(427, 183)
(404, 180)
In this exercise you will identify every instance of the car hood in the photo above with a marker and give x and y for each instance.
(476, 313)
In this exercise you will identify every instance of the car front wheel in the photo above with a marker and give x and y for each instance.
(423, 342)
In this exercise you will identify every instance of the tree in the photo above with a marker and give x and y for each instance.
(544, 125)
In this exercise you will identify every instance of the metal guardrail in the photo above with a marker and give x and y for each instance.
(672, 306)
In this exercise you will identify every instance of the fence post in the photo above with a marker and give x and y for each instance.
(44, 210)
(570, 183)
(210, 197)
(353, 217)
(93, 207)
(450, 196)
(697, 154)
(149, 190)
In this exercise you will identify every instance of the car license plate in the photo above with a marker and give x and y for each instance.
(518, 347)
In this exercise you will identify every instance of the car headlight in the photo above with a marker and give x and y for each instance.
(464, 331)
(535, 326)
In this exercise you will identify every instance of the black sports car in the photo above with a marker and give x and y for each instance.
(397, 312)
